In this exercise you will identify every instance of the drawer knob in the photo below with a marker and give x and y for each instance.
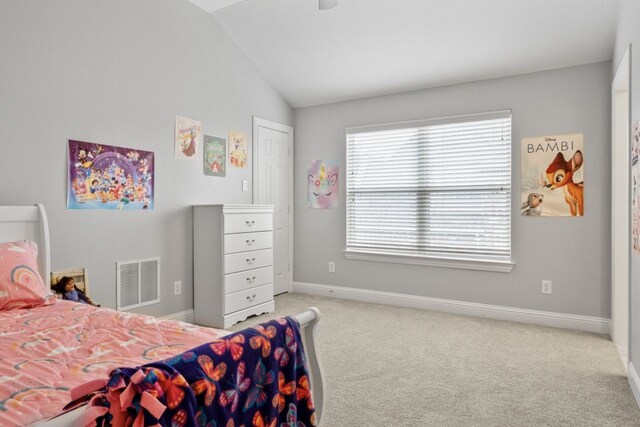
(250, 242)
(251, 298)
(250, 261)
(250, 223)
(251, 279)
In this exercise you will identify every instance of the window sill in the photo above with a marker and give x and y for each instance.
(465, 263)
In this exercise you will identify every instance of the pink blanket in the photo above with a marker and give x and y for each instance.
(46, 351)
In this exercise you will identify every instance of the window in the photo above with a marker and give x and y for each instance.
(434, 192)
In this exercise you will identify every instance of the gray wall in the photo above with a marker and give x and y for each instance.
(572, 252)
(117, 72)
(629, 33)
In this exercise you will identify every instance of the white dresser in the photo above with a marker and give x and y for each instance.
(232, 263)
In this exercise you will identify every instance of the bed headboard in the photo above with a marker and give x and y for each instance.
(28, 223)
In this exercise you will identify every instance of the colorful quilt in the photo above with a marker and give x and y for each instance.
(46, 351)
(255, 377)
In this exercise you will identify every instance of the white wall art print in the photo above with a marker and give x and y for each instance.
(188, 138)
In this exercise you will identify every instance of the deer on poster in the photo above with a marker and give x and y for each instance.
(560, 175)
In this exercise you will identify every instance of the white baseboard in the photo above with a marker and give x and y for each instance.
(546, 318)
(634, 381)
(182, 316)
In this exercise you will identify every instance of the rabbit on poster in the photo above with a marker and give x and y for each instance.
(532, 207)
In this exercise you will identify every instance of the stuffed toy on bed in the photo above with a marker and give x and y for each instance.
(69, 291)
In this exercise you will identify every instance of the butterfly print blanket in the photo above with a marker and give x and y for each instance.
(255, 377)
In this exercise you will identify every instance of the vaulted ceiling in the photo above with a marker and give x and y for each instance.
(363, 48)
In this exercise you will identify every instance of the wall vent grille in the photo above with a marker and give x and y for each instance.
(137, 283)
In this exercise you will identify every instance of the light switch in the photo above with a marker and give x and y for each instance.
(245, 185)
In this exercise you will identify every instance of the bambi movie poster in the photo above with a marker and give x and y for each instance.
(552, 176)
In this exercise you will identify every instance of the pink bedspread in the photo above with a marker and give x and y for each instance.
(46, 351)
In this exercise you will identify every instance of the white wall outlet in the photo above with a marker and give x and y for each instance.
(177, 287)
(546, 286)
(332, 267)
(245, 185)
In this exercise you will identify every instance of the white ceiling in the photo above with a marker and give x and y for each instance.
(365, 48)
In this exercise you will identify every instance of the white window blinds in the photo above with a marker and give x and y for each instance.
(437, 187)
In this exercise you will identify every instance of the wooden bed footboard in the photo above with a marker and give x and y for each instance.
(308, 320)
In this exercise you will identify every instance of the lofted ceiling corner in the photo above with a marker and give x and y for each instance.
(364, 48)
(213, 6)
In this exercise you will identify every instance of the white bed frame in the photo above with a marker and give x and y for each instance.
(30, 223)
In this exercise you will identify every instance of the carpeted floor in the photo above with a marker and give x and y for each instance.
(391, 366)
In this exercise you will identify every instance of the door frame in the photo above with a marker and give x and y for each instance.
(620, 289)
(257, 122)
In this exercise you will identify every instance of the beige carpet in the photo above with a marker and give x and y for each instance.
(390, 366)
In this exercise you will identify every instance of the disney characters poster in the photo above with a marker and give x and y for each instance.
(106, 177)
(635, 187)
(215, 154)
(322, 184)
(553, 176)
(238, 149)
(188, 138)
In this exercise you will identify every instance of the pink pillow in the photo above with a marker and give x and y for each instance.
(21, 284)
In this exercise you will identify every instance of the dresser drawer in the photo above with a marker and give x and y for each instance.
(247, 260)
(244, 223)
(247, 242)
(247, 279)
(247, 298)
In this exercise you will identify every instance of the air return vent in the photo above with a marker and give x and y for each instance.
(137, 283)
